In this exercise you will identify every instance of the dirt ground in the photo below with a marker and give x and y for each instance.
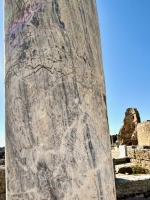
(115, 153)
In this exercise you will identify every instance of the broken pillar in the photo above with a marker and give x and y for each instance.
(57, 136)
(128, 132)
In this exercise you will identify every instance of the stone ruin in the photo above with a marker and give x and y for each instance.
(128, 132)
(143, 133)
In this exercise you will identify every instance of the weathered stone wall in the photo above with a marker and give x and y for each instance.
(126, 188)
(140, 157)
(143, 133)
(2, 183)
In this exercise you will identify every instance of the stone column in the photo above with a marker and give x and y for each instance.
(57, 137)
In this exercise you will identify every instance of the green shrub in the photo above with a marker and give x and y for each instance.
(139, 170)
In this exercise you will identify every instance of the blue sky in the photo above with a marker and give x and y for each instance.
(125, 37)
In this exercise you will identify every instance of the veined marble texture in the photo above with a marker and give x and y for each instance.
(57, 135)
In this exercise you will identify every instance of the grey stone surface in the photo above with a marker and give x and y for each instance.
(57, 136)
(127, 185)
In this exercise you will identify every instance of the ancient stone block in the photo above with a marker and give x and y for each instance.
(143, 133)
(145, 164)
(131, 153)
(131, 187)
(139, 154)
(118, 161)
(146, 155)
(148, 184)
(135, 161)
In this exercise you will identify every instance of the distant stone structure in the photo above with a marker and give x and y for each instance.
(128, 132)
(113, 139)
(2, 153)
(143, 133)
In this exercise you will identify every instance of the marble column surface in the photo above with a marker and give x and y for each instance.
(57, 136)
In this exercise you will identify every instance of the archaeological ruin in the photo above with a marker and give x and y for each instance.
(143, 133)
(133, 131)
(128, 132)
(131, 157)
(57, 135)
